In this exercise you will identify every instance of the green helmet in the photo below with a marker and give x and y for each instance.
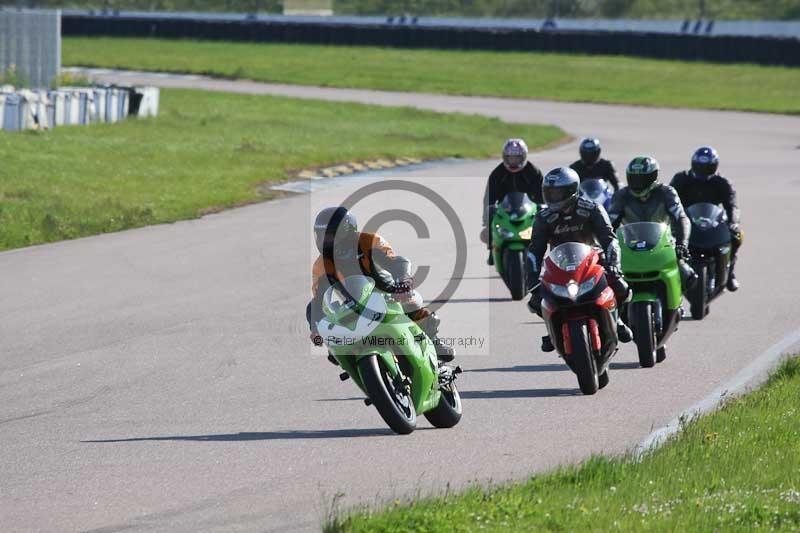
(642, 173)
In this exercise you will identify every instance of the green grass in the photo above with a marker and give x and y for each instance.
(611, 79)
(206, 150)
(735, 470)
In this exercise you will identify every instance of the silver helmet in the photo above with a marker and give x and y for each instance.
(515, 154)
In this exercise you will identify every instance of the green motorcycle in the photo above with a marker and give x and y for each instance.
(650, 267)
(387, 355)
(512, 226)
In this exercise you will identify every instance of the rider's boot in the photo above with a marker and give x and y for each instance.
(733, 283)
(624, 333)
(444, 353)
(547, 344)
(688, 275)
(430, 325)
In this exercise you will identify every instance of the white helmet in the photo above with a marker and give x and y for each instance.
(515, 154)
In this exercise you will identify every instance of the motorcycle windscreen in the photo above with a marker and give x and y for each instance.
(569, 256)
(351, 294)
(709, 225)
(642, 235)
(594, 190)
(517, 204)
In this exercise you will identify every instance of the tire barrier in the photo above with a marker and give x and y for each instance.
(73, 106)
(701, 47)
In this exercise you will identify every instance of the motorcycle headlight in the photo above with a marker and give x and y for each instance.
(526, 233)
(572, 289)
(504, 233)
(587, 286)
(558, 290)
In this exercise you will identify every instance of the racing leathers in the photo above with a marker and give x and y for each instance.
(501, 182)
(586, 223)
(661, 204)
(376, 259)
(716, 190)
(601, 169)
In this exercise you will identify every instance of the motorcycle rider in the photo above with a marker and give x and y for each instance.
(592, 166)
(514, 174)
(344, 251)
(703, 184)
(570, 218)
(647, 200)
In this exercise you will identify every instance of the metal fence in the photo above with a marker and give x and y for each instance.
(690, 45)
(30, 46)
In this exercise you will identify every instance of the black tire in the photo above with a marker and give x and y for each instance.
(514, 270)
(644, 334)
(698, 298)
(394, 405)
(448, 413)
(661, 354)
(583, 363)
(602, 379)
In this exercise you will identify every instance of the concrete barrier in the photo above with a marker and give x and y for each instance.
(72, 106)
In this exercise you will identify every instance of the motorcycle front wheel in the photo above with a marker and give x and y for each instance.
(641, 316)
(583, 363)
(514, 270)
(389, 397)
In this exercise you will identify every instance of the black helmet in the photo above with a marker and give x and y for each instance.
(560, 188)
(590, 150)
(642, 173)
(336, 232)
(704, 162)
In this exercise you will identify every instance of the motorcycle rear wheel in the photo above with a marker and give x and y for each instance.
(583, 363)
(448, 412)
(393, 403)
(643, 332)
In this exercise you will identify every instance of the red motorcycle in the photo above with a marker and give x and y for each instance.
(579, 310)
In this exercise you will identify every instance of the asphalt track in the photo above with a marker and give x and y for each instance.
(161, 379)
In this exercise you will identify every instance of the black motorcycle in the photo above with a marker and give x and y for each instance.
(710, 249)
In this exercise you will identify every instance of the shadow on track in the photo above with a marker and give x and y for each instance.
(349, 399)
(523, 393)
(471, 300)
(550, 367)
(630, 365)
(266, 435)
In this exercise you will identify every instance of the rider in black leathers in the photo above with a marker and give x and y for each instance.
(703, 184)
(592, 166)
(570, 218)
(514, 174)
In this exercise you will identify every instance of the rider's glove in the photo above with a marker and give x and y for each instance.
(682, 251)
(485, 235)
(403, 286)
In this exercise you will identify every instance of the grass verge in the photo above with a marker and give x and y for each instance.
(609, 79)
(208, 150)
(737, 469)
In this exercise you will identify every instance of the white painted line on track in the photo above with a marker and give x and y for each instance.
(750, 376)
